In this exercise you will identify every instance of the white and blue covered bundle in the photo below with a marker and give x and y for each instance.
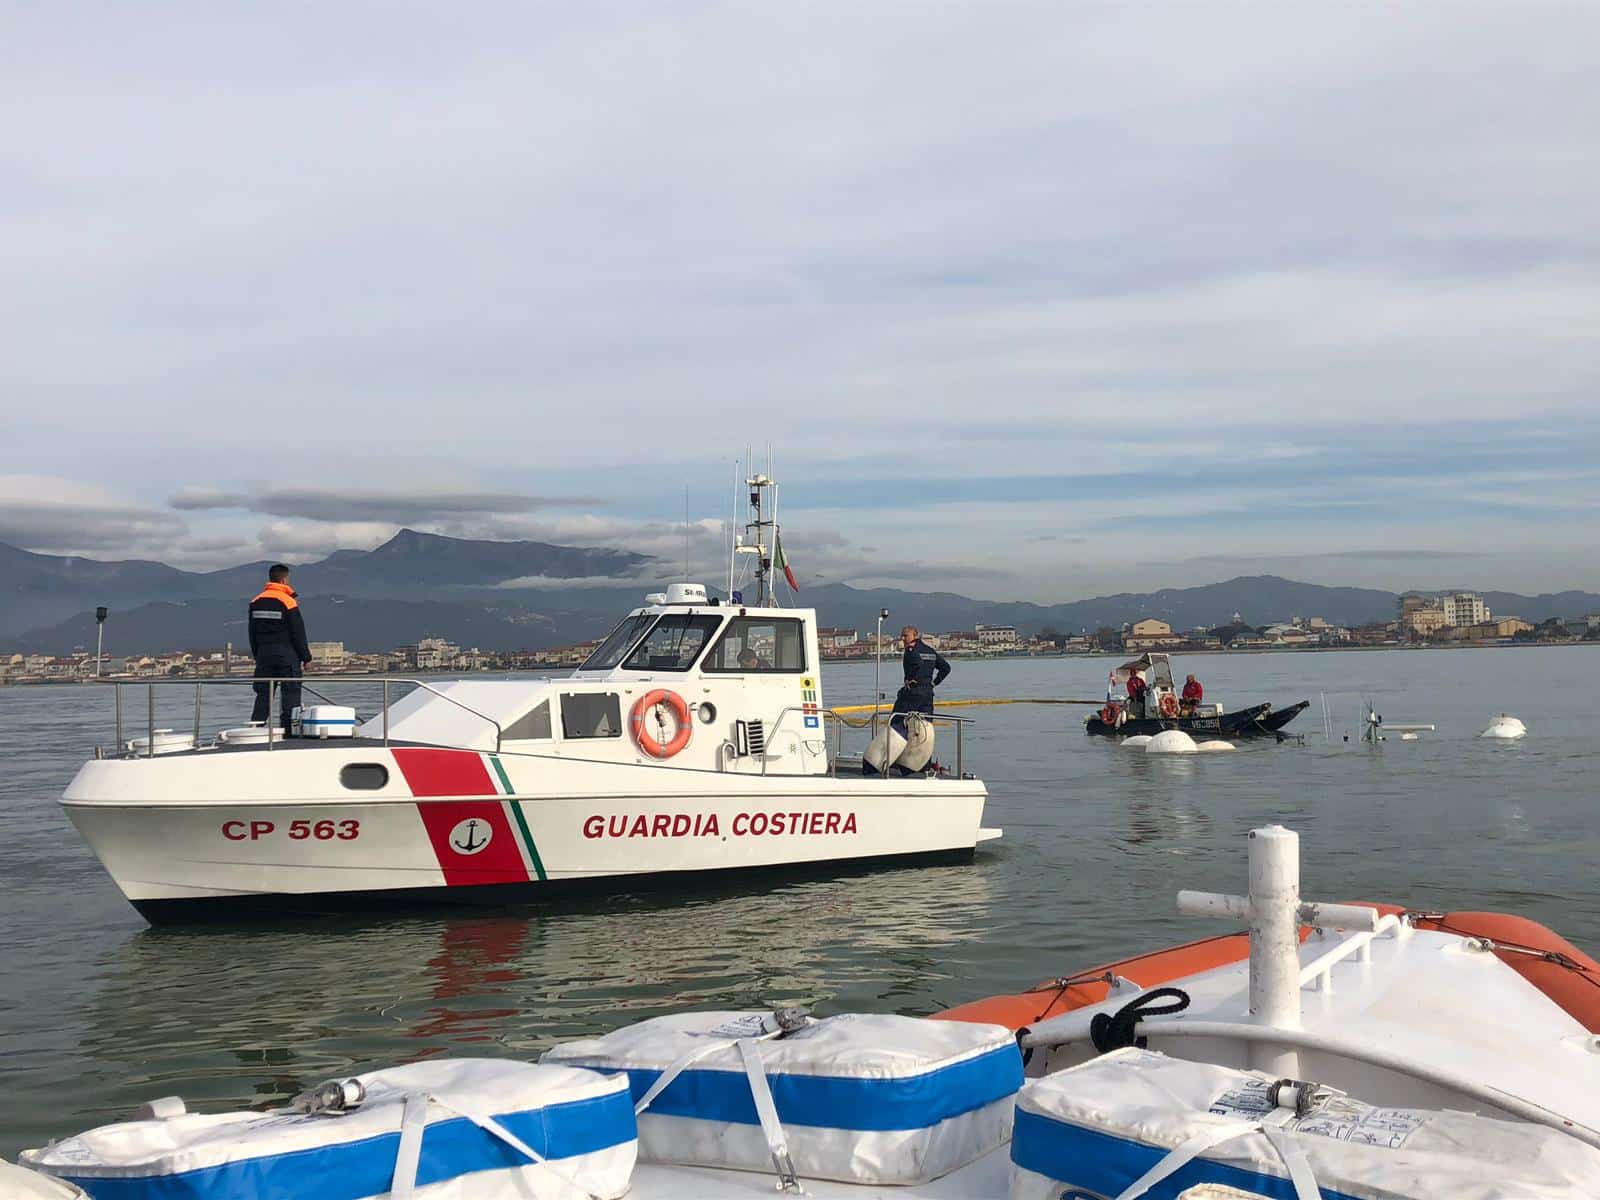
(1135, 1123)
(452, 1129)
(864, 1099)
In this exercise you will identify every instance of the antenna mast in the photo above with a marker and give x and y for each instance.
(763, 513)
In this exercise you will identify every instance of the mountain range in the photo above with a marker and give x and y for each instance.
(471, 592)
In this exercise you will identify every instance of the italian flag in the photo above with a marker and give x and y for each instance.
(781, 561)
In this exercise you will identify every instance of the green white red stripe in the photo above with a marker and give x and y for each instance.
(517, 819)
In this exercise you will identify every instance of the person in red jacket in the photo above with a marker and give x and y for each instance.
(1193, 694)
(1136, 691)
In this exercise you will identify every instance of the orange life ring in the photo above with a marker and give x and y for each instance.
(1110, 713)
(654, 747)
(1169, 705)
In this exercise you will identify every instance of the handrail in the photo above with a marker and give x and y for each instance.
(778, 724)
(1318, 973)
(839, 720)
(272, 682)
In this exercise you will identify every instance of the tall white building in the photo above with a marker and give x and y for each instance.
(1464, 608)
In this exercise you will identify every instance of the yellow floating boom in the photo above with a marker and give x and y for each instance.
(885, 706)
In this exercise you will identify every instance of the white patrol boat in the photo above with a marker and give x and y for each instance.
(693, 739)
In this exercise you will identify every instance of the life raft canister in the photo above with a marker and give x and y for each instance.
(1169, 705)
(654, 746)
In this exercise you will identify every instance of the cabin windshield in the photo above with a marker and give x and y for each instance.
(674, 643)
(618, 644)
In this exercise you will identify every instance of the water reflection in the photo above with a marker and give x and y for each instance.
(255, 1014)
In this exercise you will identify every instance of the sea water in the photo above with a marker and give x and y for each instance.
(99, 1012)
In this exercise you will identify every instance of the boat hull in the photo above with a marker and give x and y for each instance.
(280, 906)
(184, 834)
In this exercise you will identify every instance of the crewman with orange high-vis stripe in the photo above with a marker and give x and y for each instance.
(277, 643)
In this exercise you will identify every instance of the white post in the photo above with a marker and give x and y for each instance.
(1275, 943)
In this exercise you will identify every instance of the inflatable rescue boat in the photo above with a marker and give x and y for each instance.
(1160, 708)
(1334, 1052)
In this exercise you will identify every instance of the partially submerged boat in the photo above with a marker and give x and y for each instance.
(1163, 708)
(1335, 1052)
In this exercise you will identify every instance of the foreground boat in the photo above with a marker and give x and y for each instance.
(1161, 708)
(1336, 1052)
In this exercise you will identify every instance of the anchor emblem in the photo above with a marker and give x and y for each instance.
(471, 836)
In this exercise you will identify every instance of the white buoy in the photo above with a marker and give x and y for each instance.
(1505, 726)
(1214, 747)
(1138, 741)
(1410, 737)
(1171, 741)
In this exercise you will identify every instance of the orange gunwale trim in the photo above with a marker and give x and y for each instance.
(1568, 976)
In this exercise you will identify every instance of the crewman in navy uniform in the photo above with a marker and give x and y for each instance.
(925, 670)
(277, 643)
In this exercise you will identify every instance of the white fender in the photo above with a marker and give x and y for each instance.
(884, 750)
(919, 744)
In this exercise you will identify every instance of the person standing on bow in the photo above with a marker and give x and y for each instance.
(925, 669)
(277, 643)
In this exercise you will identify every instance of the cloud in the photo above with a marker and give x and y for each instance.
(558, 582)
(1369, 554)
(54, 515)
(404, 506)
(1004, 274)
(307, 540)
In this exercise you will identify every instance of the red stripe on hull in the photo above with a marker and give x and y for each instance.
(445, 773)
(473, 842)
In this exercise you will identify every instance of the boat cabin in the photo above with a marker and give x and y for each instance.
(1155, 669)
(683, 681)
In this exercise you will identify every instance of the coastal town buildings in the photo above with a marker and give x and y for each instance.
(1452, 618)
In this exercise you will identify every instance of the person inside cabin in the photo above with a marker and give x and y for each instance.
(749, 660)
(1193, 694)
(1136, 693)
(278, 644)
(925, 669)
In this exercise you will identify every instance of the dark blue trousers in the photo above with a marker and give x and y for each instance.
(276, 664)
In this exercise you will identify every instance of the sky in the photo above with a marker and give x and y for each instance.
(1028, 301)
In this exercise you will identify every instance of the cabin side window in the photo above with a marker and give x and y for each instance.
(617, 643)
(674, 643)
(531, 726)
(591, 715)
(760, 645)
